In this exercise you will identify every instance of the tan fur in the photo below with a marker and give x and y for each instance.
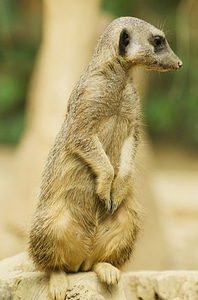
(87, 217)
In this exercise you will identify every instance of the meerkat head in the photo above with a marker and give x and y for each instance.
(146, 46)
(138, 42)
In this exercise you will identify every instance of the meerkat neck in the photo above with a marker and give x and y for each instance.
(114, 68)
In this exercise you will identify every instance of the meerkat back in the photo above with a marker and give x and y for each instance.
(87, 217)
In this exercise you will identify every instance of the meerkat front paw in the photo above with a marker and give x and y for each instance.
(58, 286)
(103, 189)
(118, 193)
(107, 273)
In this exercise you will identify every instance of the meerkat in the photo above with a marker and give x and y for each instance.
(87, 217)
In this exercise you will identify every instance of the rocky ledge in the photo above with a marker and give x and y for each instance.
(20, 281)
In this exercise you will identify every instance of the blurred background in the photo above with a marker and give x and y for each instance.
(44, 47)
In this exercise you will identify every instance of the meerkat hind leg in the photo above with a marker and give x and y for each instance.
(58, 285)
(107, 273)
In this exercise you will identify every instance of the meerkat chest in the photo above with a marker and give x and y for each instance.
(122, 123)
(112, 135)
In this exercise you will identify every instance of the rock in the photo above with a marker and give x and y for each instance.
(20, 281)
(164, 285)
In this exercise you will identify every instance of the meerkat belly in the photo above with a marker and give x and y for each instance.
(82, 224)
(114, 239)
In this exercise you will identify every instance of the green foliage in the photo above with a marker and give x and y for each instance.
(19, 38)
(11, 128)
(172, 120)
(118, 8)
(11, 94)
(139, 8)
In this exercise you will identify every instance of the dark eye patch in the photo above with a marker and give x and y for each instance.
(123, 41)
(159, 42)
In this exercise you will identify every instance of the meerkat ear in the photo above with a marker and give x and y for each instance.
(123, 41)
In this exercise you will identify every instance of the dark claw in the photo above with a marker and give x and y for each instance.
(114, 206)
(111, 206)
(108, 205)
(109, 288)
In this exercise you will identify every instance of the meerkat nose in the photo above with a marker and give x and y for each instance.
(179, 64)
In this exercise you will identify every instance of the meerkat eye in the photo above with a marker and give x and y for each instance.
(158, 42)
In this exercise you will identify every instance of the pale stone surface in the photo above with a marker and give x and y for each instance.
(20, 281)
(165, 285)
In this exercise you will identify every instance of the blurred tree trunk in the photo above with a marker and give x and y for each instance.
(68, 38)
